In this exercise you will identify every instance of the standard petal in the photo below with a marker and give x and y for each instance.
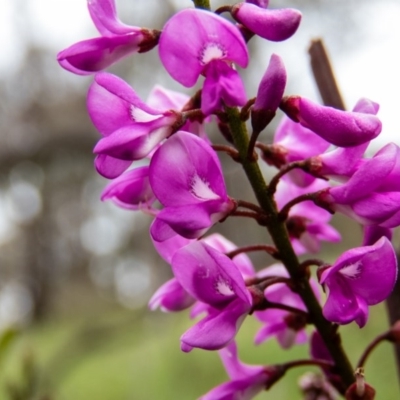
(342, 306)
(209, 275)
(274, 25)
(207, 37)
(373, 276)
(112, 104)
(185, 170)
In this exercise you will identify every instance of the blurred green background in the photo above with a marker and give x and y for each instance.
(76, 274)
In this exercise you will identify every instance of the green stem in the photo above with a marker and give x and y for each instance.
(205, 4)
(279, 235)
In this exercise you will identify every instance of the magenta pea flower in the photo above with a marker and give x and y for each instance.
(341, 128)
(213, 279)
(372, 194)
(131, 190)
(359, 278)
(197, 42)
(117, 40)
(340, 163)
(269, 94)
(307, 223)
(171, 297)
(288, 328)
(186, 177)
(246, 380)
(130, 128)
(275, 25)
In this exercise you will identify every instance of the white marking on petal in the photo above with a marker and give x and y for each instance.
(138, 115)
(212, 51)
(224, 288)
(201, 189)
(352, 271)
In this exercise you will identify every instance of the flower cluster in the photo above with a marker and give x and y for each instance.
(179, 182)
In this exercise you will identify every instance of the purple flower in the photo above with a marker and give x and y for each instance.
(186, 177)
(117, 40)
(372, 194)
(307, 223)
(359, 278)
(341, 128)
(130, 128)
(269, 94)
(287, 327)
(246, 380)
(213, 279)
(274, 25)
(131, 190)
(341, 163)
(196, 42)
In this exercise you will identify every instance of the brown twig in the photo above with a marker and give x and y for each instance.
(324, 76)
(379, 339)
(271, 250)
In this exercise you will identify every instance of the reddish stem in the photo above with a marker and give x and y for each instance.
(272, 251)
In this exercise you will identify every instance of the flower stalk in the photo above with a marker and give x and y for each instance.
(280, 237)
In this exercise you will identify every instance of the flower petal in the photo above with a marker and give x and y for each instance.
(171, 297)
(217, 329)
(222, 86)
(342, 306)
(185, 170)
(130, 190)
(274, 25)
(206, 36)
(134, 142)
(341, 128)
(93, 55)
(209, 275)
(110, 167)
(112, 104)
(104, 16)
